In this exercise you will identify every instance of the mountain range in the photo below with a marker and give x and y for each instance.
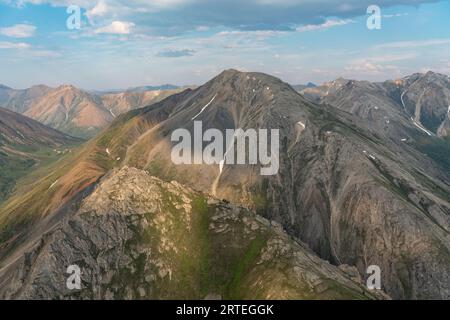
(363, 180)
(423, 99)
(75, 111)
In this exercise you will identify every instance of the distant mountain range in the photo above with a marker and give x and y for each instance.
(363, 180)
(421, 101)
(300, 87)
(77, 112)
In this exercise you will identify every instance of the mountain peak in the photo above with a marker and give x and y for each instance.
(40, 86)
(228, 73)
(5, 87)
(67, 87)
(434, 75)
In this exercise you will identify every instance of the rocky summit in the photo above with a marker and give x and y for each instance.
(138, 237)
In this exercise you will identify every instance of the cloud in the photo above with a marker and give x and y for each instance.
(412, 44)
(178, 16)
(14, 45)
(326, 25)
(117, 27)
(378, 64)
(176, 53)
(395, 15)
(367, 66)
(101, 9)
(254, 33)
(18, 31)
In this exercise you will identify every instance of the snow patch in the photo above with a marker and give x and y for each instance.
(421, 127)
(53, 184)
(206, 106)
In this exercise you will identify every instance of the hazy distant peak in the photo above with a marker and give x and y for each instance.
(67, 87)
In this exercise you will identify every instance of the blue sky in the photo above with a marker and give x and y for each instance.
(124, 43)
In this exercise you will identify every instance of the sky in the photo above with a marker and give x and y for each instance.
(126, 43)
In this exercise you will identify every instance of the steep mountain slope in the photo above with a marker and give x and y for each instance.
(351, 195)
(25, 145)
(137, 237)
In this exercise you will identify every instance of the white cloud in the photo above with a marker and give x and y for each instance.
(14, 45)
(413, 44)
(19, 31)
(395, 15)
(117, 27)
(253, 33)
(100, 10)
(326, 25)
(377, 64)
(202, 28)
(177, 16)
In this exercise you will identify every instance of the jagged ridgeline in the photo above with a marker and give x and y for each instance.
(353, 196)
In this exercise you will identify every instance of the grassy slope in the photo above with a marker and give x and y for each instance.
(14, 166)
(33, 198)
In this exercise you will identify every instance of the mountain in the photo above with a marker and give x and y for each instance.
(75, 111)
(403, 112)
(300, 87)
(70, 110)
(24, 146)
(138, 237)
(19, 100)
(65, 108)
(123, 102)
(426, 98)
(139, 89)
(423, 100)
(153, 88)
(355, 196)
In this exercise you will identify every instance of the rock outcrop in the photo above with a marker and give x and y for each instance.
(137, 237)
